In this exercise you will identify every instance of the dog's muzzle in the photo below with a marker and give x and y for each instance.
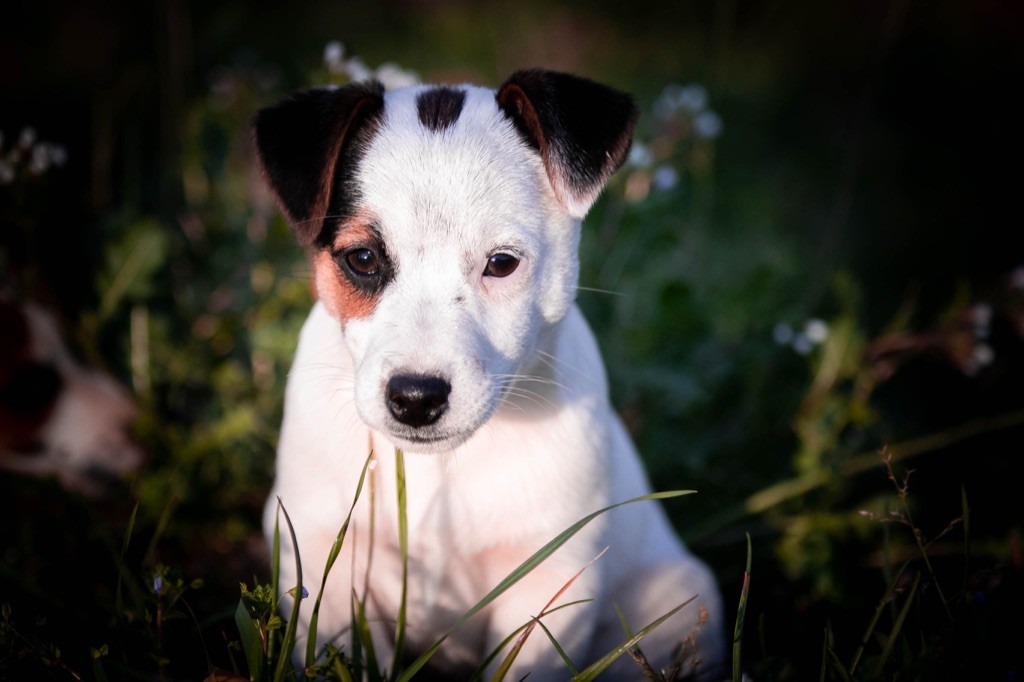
(417, 400)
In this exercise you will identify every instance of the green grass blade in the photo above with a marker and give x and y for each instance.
(824, 656)
(897, 626)
(357, 644)
(119, 594)
(252, 646)
(288, 643)
(602, 664)
(332, 556)
(558, 648)
(510, 658)
(965, 512)
(523, 569)
(275, 582)
(362, 629)
(837, 666)
(741, 613)
(403, 545)
(479, 672)
(886, 599)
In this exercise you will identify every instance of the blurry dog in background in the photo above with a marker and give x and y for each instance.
(58, 417)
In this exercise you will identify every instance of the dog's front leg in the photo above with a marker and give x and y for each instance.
(572, 627)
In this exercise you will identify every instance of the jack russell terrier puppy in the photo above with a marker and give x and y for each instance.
(443, 224)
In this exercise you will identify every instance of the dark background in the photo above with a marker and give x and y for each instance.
(868, 166)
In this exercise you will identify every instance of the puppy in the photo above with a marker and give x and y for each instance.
(58, 417)
(443, 225)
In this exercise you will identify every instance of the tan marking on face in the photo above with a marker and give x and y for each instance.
(341, 298)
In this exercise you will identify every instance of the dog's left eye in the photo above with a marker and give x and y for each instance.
(362, 262)
(501, 265)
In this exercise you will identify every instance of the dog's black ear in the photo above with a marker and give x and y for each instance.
(582, 129)
(301, 143)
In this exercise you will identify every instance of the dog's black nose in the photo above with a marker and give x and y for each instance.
(417, 400)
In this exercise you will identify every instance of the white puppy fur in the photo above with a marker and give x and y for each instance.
(526, 442)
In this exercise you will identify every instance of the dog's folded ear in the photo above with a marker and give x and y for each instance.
(301, 144)
(582, 129)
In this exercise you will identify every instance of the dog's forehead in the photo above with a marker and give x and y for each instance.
(448, 158)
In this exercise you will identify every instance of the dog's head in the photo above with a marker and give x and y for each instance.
(444, 225)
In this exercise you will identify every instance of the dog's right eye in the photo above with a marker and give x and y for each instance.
(362, 262)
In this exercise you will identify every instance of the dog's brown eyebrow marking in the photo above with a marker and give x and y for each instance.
(343, 300)
(439, 108)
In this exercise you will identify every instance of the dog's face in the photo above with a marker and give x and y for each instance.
(444, 224)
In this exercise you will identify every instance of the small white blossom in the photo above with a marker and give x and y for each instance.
(707, 125)
(1017, 278)
(640, 156)
(40, 160)
(357, 70)
(980, 316)
(58, 155)
(334, 57)
(816, 331)
(802, 344)
(693, 98)
(666, 105)
(982, 356)
(782, 334)
(27, 138)
(6, 173)
(665, 177)
(394, 77)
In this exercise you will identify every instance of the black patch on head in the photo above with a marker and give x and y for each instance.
(582, 129)
(439, 108)
(308, 145)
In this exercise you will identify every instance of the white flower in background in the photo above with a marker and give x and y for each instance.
(640, 156)
(980, 316)
(666, 104)
(782, 334)
(394, 76)
(1017, 278)
(357, 70)
(391, 75)
(58, 155)
(30, 155)
(692, 99)
(39, 162)
(334, 57)
(982, 356)
(707, 125)
(813, 334)
(816, 331)
(27, 137)
(802, 345)
(665, 177)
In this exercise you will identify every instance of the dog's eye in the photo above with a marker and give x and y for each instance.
(501, 265)
(362, 262)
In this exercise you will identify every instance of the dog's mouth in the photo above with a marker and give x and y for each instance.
(426, 443)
